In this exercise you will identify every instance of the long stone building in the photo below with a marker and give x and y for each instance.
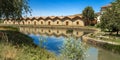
(50, 20)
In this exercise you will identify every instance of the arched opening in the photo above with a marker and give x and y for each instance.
(67, 23)
(28, 22)
(57, 22)
(41, 22)
(77, 22)
(35, 23)
(23, 22)
(49, 23)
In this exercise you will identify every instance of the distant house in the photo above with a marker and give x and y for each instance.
(103, 8)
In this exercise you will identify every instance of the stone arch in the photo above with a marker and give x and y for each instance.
(78, 23)
(58, 22)
(5, 22)
(35, 22)
(67, 23)
(49, 22)
(9, 22)
(41, 22)
(28, 22)
(22, 22)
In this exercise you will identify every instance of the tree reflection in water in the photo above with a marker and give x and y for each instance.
(73, 50)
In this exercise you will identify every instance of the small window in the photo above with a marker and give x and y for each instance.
(28, 22)
(67, 23)
(57, 22)
(35, 23)
(41, 22)
(77, 23)
(49, 23)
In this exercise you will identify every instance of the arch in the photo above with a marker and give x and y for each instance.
(67, 23)
(78, 22)
(41, 22)
(5, 22)
(49, 22)
(28, 22)
(57, 22)
(35, 22)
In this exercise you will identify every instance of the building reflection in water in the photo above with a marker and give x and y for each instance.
(50, 32)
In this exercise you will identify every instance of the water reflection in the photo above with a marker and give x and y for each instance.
(50, 32)
(54, 39)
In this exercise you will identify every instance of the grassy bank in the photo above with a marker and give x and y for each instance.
(17, 46)
(9, 28)
(104, 40)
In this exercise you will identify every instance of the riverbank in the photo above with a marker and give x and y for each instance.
(17, 46)
(100, 39)
(84, 28)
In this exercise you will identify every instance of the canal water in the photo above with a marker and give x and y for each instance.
(53, 39)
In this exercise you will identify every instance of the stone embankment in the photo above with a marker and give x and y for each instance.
(111, 46)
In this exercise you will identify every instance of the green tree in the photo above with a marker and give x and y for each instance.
(88, 14)
(73, 49)
(110, 19)
(14, 8)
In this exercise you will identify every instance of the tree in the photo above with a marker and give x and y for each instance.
(13, 8)
(110, 19)
(88, 14)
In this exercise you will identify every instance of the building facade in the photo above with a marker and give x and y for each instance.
(50, 20)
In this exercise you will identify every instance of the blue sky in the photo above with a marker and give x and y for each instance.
(64, 7)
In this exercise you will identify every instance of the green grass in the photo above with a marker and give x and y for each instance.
(9, 28)
(20, 47)
(12, 52)
(106, 37)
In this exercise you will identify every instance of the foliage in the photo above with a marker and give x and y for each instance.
(110, 19)
(13, 8)
(73, 50)
(88, 14)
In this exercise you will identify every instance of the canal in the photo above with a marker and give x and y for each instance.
(53, 39)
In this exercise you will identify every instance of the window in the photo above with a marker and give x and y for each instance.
(57, 22)
(28, 22)
(77, 22)
(41, 22)
(35, 23)
(67, 23)
(49, 23)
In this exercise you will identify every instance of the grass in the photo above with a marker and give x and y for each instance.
(106, 37)
(11, 52)
(9, 28)
(20, 47)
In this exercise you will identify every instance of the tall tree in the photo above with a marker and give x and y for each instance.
(110, 19)
(88, 14)
(13, 8)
